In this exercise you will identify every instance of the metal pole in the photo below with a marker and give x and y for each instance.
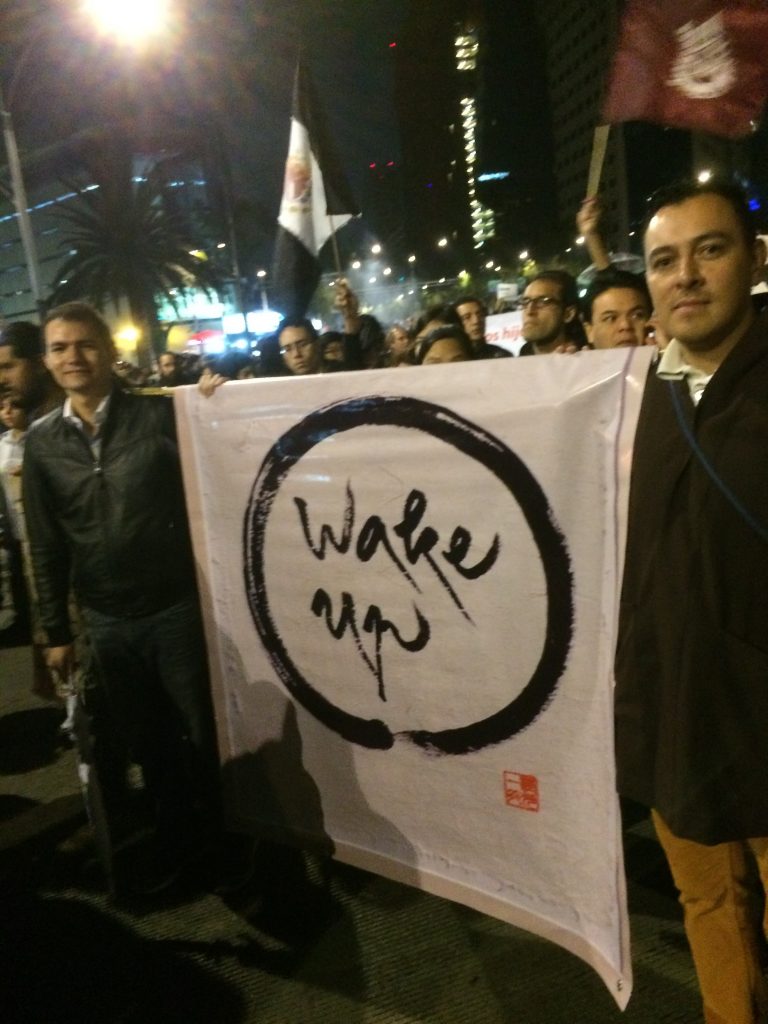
(20, 202)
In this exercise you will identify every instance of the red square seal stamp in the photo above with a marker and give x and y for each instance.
(521, 791)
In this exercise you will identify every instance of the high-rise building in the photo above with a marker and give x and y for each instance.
(579, 37)
(428, 93)
(467, 46)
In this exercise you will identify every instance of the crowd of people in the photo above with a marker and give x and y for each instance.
(100, 514)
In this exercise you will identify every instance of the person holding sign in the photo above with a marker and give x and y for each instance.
(692, 655)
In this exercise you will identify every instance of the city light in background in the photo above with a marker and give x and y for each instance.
(130, 23)
(465, 219)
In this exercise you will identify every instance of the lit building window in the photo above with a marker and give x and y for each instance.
(483, 223)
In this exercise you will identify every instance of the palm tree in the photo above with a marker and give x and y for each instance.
(128, 244)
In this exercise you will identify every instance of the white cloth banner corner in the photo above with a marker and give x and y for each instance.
(410, 585)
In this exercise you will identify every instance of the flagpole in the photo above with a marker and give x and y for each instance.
(335, 244)
(20, 202)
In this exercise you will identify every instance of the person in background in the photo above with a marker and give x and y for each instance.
(398, 343)
(588, 225)
(14, 603)
(616, 310)
(169, 371)
(26, 383)
(299, 347)
(363, 334)
(332, 347)
(23, 376)
(550, 314)
(448, 344)
(472, 315)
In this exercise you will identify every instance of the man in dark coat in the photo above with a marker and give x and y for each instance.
(692, 659)
(105, 514)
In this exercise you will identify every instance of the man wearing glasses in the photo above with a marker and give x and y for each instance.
(550, 308)
(299, 347)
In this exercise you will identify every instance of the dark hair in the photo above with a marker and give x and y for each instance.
(689, 188)
(25, 338)
(609, 278)
(464, 299)
(231, 363)
(451, 331)
(328, 337)
(444, 314)
(296, 321)
(566, 282)
(81, 313)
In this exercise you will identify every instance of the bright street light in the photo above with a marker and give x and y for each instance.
(442, 242)
(524, 254)
(261, 273)
(411, 258)
(580, 240)
(129, 23)
(356, 265)
(704, 176)
(376, 249)
(387, 271)
(489, 265)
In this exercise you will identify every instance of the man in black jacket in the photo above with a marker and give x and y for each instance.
(105, 510)
(692, 658)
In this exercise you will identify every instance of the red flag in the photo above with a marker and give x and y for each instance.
(695, 64)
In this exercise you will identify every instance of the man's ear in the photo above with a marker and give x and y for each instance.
(569, 314)
(759, 256)
(588, 329)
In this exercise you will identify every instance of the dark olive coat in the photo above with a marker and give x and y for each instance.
(692, 658)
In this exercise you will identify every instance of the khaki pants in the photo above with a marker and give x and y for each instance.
(721, 923)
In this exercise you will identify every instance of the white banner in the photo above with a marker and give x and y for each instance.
(410, 586)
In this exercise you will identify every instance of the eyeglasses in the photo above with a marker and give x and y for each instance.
(297, 347)
(540, 302)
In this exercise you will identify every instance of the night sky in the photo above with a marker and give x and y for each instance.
(228, 63)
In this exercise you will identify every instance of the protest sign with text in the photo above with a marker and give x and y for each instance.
(410, 582)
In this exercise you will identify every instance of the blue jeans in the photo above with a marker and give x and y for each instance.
(155, 675)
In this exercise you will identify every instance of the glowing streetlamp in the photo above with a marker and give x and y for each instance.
(442, 242)
(376, 249)
(129, 23)
(704, 176)
(126, 22)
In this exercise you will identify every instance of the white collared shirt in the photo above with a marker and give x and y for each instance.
(94, 439)
(672, 366)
